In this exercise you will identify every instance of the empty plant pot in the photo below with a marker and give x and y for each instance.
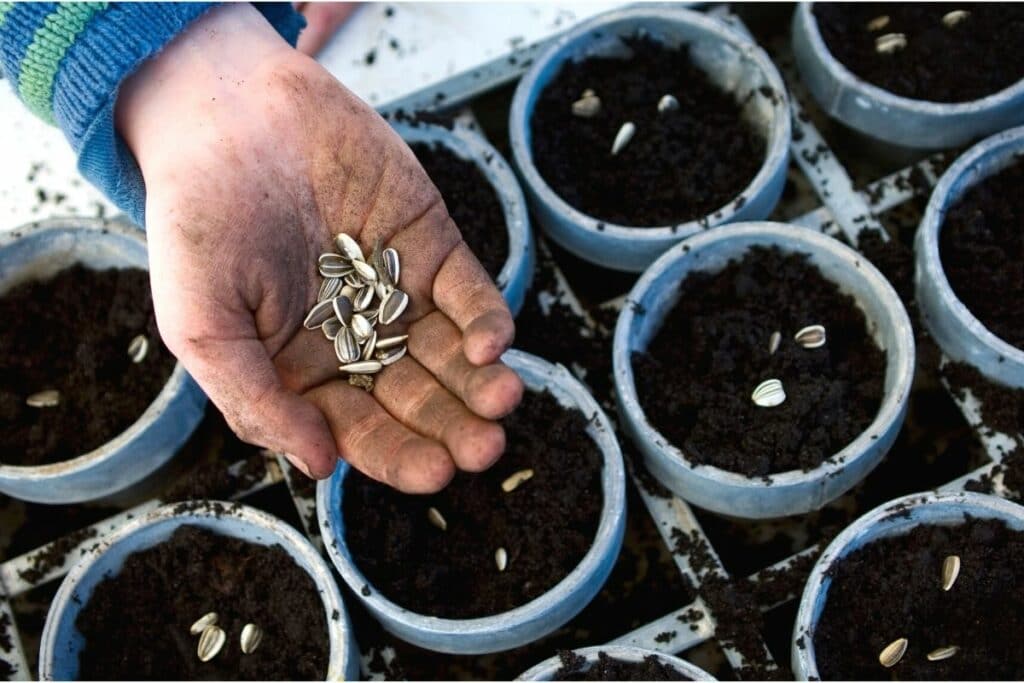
(545, 671)
(731, 62)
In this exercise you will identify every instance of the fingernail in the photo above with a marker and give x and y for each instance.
(298, 464)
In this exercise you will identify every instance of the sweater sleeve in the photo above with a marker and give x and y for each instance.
(66, 61)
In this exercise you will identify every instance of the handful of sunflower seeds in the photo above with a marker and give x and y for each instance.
(354, 298)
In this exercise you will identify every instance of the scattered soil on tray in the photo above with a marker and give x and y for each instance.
(546, 525)
(696, 378)
(971, 60)
(472, 203)
(680, 165)
(981, 246)
(892, 589)
(136, 624)
(575, 668)
(71, 334)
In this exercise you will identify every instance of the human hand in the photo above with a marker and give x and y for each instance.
(254, 157)
(322, 21)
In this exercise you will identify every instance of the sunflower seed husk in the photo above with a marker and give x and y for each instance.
(391, 342)
(348, 291)
(938, 654)
(353, 280)
(890, 42)
(349, 247)
(330, 288)
(892, 653)
(951, 19)
(361, 327)
(334, 270)
(382, 289)
(320, 313)
(392, 266)
(878, 23)
(667, 103)
(514, 480)
(773, 342)
(437, 519)
(377, 256)
(623, 137)
(252, 635)
(362, 367)
(342, 307)
(364, 298)
(392, 307)
(587, 107)
(811, 337)
(501, 559)
(950, 570)
(365, 271)
(331, 259)
(211, 642)
(331, 328)
(138, 348)
(371, 316)
(390, 356)
(208, 619)
(346, 347)
(370, 346)
(769, 394)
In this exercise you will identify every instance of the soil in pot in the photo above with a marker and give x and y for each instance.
(680, 165)
(71, 334)
(472, 203)
(545, 525)
(893, 588)
(136, 623)
(981, 247)
(606, 668)
(695, 381)
(945, 58)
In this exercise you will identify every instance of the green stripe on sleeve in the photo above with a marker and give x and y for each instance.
(5, 7)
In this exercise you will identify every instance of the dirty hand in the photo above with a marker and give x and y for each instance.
(254, 157)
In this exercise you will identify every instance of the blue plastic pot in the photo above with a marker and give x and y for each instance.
(40, 251)
(731, 61)
(892, 118)
(796, 491)
(61, 640)
(545, 671)
(537, 618)
(958, 333)
(517, 273)
(895, 518)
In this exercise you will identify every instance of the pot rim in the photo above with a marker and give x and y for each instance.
(546, 669)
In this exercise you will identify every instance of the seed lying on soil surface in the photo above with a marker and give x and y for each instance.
(587, 106)
(951, 19)
(773, 342)
(892, 653)
(211, 642)
(208, 619)
(811, 337)
(938, 654)
(437, 519)
(44, 399)
(516, 479)
(623, 137)
(769, 394)
(251, 637)
(890, 42)
(138, 348)
(950, 570)
(667, 103)
(501, 559)
(878, 23)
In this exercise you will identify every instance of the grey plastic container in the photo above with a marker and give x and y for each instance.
(39, 251)
(959, 334)
(731, 61)
(895, 518)
(892, 118)
(542, 615)
(517, 273)
(61, 641)
(545, 671)
(796, 491)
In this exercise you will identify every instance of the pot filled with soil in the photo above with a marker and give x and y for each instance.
(969, 259)
(925, 587)
(484, 199)
(615, 663)
(92, 401)
(643, 126)
(762, 370)
(922, 75)
(199, 590)
(497, 559)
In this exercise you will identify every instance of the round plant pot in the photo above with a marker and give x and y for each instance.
(545, 671)
(796, 491)
(536, 618)
(959, 334)
(732, 62)
(892, 118)
(894, 518)
(61, 640)
(517, 273)
(38, 252)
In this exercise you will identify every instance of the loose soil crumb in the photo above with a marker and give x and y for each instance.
(43, 561)
(546, 525)
(695, 380)
(680, 166)
(71, 334)
(1002, 408)
(574, 668)
(136, 624)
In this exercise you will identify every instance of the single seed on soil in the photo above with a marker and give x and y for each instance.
(890, 42)
(501, 559)
(349, 247)
(346, 348)
(392, 266)
(878, 23)
(331, 328)
(365, 271)
(769, 394)
(252, 635)
(208, 619)
(364, 298)
(938, 654)
(667, 103)
(773, 342)
(392, 307)
(950, 570)
(330, 288)
(437, 519)
(892, 653)
(514, 480)
(211, 642)
(391, 342)
(320, 313)
(951, 19)
(587, 107)
(390, 356)
(44, 399)
(370, 346)
(811, 337)
(138, 348)
(362, 367)
(361, 327)
(623, 137)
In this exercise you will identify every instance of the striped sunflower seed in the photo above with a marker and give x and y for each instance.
(769, 394)
(331, 328)
(810, 337)
(353, 280)
(335, 270)
(437, 519)
(392, 266)
(346, 348)
(138, 348)
(252, 636)
(501, 559)
(349, 247)
(208, 619)
(342, 309)
(211, 642)
(878, 23)
(361, 327)
(391, 342)
(392, 355)
(348, 291)
(392, 307)
(516, 479)
(773, 342)
(890, 42)
(950, 571)
(362, 367)
(951, 19)
(318, 315)
(330, 288)
(331, 259)
(622, 138)
(940, 653)
(365, 271)
(892, 653)
(667, 103)
(369, 346)
(382, 289)
(49, 398)
(364, 298)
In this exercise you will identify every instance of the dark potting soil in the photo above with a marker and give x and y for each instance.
(136, 624)
(981, 247)
(892, 589)
(695, 379)
(575, 668)
(71, 334)
(973, 59)
(546, 525)
(472, 203)
(680, 165)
